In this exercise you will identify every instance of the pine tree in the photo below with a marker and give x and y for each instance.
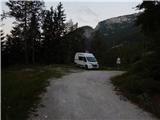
(14, 48)
(149, 19)
(34, 37)
(53, 32)
(70, 26)
(22, 12)
(48, 35)
(59, 19)
(59, 23)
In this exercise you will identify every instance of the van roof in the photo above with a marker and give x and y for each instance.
(85, 54)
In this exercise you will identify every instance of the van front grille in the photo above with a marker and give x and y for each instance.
(94, 65)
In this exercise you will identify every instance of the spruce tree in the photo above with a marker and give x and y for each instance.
(53, 33)
(48, 36)
(59, 22)
(149, 21)
(22, 12)
(14, 48)
(34, 37)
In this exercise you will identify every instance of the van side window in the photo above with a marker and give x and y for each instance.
(82, 58)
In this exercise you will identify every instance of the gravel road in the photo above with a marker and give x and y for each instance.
(87, 95)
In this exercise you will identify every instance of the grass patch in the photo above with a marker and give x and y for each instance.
(22, 85)
(121, 68)
(143, 91)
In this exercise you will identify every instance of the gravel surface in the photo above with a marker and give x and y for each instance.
(86, 95)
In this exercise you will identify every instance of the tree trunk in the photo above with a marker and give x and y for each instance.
(33, 51)
(25, 39)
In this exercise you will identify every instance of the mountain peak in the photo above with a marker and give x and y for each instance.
(117, 20)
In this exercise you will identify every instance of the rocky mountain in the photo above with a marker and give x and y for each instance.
(118, 36)
(85, 35)
(115, 30)
(116, 21)
(87, 31)
(119, 30)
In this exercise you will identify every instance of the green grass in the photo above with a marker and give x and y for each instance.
(143, 91)
(121, 68)
(22, 86)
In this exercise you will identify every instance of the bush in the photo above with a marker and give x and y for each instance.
(141, 83)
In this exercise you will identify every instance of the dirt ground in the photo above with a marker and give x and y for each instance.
(86, 95)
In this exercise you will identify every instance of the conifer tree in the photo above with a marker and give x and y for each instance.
(22, 12)
(53, 32)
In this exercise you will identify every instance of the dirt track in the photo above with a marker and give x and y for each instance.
(87, 95)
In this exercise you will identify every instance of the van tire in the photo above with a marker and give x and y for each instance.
(86, 67)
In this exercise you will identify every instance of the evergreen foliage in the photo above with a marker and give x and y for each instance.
(38, 35)
(24, 12)
(141, 83)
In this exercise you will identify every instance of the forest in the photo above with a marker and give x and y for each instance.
(41, 36)
(141, 83)
(38, 35)
(44, 37)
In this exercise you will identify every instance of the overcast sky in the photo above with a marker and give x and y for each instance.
(87, 12)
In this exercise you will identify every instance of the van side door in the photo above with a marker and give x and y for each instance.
(82, 60)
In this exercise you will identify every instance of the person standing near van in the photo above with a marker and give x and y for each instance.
(118, 62)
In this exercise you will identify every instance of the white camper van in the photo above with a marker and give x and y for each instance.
(86, 60)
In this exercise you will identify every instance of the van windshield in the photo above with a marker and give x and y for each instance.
(91, 59)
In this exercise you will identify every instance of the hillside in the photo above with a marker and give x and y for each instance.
(111, 38)
(87, 32)
(119, 29)
(121, 38)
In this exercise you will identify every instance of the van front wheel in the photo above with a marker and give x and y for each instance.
(86, 67)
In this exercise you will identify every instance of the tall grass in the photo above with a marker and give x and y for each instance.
(144, 92)
(22, 86)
